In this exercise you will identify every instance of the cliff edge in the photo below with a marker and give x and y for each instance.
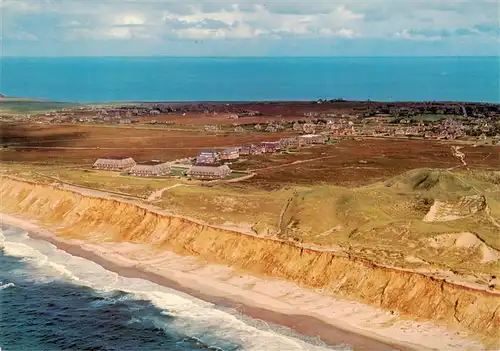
(70, 214)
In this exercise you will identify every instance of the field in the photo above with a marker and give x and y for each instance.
(350, 162)
(81, 145)
(359, 162)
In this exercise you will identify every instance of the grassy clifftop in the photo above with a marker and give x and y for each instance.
(414, 220)
(396, 220)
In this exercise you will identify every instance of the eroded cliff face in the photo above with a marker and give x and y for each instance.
(71, 214)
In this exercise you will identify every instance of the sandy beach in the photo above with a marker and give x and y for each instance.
(308, 312)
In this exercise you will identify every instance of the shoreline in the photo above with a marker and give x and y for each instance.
(363, 327)
(306, 325)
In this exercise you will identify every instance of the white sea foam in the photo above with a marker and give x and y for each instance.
(5, 286)
(193, 317)
(35, 257)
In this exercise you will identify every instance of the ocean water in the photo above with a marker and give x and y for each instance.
(51, 301)
(108, 79)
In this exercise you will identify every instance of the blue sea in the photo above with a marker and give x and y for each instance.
(53, 301)
(106, 79)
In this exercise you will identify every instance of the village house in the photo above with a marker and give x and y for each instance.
(320, 125)
(246, 150)
(151, 169)
(309, 128)
(297, 127)
(271, 129)
(451, 129)
(270, 146)
(258, 149)
(342, 130)
(211, 128)
(289, 143)
(251, 149)
(280, 126)
(208, 172)
(310, 139)
(230, 154)
(207, 157)
(252, 113)
(114, 163)
(239, 129)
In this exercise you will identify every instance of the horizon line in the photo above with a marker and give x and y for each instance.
(253, 56)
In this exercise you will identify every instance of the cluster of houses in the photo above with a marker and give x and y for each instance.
(208, 164)
(448, 129)
(154, 168)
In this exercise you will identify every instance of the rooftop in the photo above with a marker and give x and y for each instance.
(149, 163)
(208, 152)
(208, 168)
(114, 157)
(233, 149)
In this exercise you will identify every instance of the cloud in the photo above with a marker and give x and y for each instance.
(25, 6)
(70, 24)
(22, 36)
(412, 34)
(245, 21)
(129, 19)
(343, 33)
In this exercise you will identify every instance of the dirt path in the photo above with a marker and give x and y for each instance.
(283, 211)
(156, 195)
(293, 163)
(491, 218)
(455, 150)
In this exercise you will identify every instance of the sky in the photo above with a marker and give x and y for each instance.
(249, 28)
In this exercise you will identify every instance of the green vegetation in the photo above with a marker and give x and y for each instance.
(178, 171)
(25, 106)
(385, 220)
(220, 204)
(434, 117)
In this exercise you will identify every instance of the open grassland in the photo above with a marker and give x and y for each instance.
(351, 162)
(258, 210)
(384, 222)
(89, 178)
(387, 218)
(360, 162)
(78, 144)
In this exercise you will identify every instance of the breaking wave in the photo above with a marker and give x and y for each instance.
(6, 286)
(196, 321)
